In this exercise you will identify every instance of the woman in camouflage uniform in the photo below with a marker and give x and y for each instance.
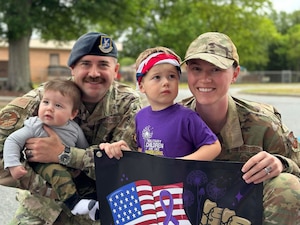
(249, 132)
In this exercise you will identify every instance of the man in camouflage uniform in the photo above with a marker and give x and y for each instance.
(106, 115)
(249, 132)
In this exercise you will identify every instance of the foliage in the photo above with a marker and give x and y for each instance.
(64, 20)
(175, 24)
(59, 20)
(293, 49)
(284, 50)
(126, 61)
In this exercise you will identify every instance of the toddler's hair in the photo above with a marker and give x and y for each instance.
(143, 55)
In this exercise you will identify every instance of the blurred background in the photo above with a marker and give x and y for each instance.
(36, 36)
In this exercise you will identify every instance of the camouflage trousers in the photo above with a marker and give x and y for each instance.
(59, 177)
(281, 200)
(37, 210)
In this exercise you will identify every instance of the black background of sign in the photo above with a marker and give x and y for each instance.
(222, 177)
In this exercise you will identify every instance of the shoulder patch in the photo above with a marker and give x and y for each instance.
(9, 119)
(21, 102)
(293, 140)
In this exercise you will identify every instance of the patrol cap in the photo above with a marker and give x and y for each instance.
(213, 47)
(92, 43)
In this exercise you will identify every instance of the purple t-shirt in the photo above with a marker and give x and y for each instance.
(172, 132)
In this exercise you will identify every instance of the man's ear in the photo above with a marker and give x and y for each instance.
(117, 68)
(72, 70)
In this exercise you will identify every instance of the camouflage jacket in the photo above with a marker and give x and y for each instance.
(111, 120)
(252, 127)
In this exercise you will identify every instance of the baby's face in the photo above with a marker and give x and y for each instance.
(56, 109)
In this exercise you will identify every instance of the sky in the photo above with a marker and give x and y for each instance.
(286, 5)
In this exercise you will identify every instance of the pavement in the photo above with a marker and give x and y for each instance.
(8, 204)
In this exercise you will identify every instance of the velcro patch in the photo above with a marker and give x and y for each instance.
(21, 102)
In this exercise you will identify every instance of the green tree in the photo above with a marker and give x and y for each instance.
(293, 48)
(175, 24)
(60, 20)
(284, 50)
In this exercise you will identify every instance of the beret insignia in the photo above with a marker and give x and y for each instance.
(105, 44)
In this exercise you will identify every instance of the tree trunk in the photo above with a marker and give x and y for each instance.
(19, 78)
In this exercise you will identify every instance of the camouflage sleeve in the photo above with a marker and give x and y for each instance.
(12, 117)
(83, 159)
(291, 160)
(125, 130)
(282, 143)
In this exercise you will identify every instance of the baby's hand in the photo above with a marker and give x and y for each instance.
(17, 171)
(114, 149)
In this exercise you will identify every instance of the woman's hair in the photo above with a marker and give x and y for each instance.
(66, 88)
(150, 51)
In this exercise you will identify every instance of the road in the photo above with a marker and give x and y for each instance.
(289, 108)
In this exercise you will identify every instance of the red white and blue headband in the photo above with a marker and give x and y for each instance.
(155, 59)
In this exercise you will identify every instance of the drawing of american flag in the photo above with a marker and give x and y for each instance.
(135, 204)
(175, 190)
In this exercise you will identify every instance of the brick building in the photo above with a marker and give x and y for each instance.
(46, 59)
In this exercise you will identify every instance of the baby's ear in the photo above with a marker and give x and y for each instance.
(74, 114)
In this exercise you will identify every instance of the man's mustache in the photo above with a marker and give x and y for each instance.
(94, 79)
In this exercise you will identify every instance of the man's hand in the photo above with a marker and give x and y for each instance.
(261, 167)
(45, 149)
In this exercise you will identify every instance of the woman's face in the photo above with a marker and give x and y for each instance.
(207, 82)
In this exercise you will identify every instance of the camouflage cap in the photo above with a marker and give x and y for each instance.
(92, 43)
(215, 48)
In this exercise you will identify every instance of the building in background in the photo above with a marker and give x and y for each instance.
(47, 60)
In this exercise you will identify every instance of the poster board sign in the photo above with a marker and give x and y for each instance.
(145, 189)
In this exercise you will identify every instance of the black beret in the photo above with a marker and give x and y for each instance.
(92, 43)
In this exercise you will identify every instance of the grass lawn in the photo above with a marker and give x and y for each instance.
(292, 89)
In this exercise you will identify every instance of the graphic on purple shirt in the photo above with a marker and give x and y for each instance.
(172, 132)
